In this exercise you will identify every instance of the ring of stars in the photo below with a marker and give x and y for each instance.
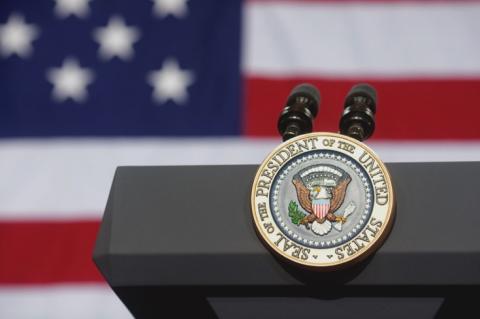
(324, 244)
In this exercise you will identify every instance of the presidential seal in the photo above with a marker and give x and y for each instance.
(322, 200)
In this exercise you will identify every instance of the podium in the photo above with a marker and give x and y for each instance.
(178, 241)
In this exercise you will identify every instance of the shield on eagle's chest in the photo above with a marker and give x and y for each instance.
(320, 207)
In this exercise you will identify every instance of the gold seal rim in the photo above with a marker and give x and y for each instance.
(376, 241)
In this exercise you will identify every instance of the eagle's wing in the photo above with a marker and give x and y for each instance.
(303, 194)
(338, 193)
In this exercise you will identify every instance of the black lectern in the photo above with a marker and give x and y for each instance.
(179, 241)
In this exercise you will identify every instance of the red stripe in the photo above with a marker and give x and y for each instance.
(407, 109)
(47, 252)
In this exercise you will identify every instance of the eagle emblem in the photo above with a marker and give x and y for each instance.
(321, 192)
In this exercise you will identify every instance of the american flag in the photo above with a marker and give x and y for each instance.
(88, 85)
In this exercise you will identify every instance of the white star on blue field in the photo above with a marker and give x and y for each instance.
(135, 67)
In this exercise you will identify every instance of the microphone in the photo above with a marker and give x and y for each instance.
(358, 119)
(300, 111)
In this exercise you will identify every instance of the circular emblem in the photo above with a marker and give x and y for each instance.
(322, 200)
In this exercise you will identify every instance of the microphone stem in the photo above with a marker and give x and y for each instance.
(357, 132)
(292, 130)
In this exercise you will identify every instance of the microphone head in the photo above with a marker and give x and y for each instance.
(306, 91)
(364, 92)
(301, 109)
(358, 119)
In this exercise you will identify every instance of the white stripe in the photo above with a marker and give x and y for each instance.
(71, 178)
(60, 302)
(362, 39)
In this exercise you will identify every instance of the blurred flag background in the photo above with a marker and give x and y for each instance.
(88, 85)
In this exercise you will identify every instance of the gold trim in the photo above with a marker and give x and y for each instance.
(376, 241)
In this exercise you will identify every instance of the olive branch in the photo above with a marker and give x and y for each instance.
(295, 214)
